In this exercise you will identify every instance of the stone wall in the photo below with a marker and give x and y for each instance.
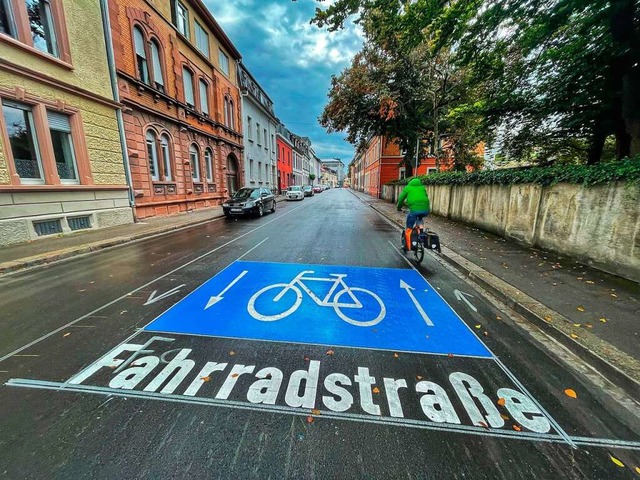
(597, 225)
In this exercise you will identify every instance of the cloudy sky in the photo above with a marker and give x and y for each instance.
(292, 60)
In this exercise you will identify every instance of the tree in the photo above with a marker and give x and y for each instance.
(312, 177)
(555, 77)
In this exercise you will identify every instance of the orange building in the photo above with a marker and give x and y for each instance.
(177, 83)
(380, 163)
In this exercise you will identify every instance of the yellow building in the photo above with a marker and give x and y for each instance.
(61, 160)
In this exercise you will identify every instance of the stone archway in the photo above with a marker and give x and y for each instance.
(233, 179)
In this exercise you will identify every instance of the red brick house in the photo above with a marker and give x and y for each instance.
(284, 148)
(177, 83)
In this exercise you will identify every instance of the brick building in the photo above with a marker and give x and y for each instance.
(177, 80)
(61, 158)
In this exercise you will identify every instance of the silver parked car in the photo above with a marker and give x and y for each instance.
(294, 192)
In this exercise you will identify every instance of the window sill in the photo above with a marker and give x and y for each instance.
(34, 51)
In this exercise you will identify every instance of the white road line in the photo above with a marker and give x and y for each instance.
(67, 325)
(502, 366)
(410, 423)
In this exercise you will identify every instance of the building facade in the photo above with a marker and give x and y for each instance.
(284, 157)
(379, 163)
(61, 160)
(300, 159)
(177, 80)
(260, 126)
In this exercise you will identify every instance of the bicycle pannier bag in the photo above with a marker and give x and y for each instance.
(433, 241)
(414, 239)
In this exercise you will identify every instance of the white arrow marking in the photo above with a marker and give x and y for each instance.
(463, 297)
(153, 299)
(421, 311)
(215, 299)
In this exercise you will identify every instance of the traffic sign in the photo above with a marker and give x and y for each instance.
(379, 308)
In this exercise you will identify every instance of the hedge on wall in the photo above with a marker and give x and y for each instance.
(605, 172)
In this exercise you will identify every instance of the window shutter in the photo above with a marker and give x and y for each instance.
(58, 121)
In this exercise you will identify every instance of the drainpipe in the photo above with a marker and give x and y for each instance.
(106, 26)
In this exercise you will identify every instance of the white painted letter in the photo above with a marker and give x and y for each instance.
(180, 364)
(206, 371)
(266, 391)
(391, 387)
(232, 378)
(108, 360)
(524, 411)
(308, 399)
(366, 398)
(130, 378)
(345, 398)
(436, 404)
(467, 389)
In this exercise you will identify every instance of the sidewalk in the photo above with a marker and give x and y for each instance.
(595, 314)
(16, 257)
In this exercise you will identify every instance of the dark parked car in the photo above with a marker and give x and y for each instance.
(250, 201)
(317, 189)
(308, 190)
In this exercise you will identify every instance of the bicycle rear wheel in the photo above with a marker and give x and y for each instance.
(418, 253)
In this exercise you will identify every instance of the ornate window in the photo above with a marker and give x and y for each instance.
(152, 155)
(204, 96)
(208, 163)
(187, 80)
(194, 157)
(166, 157)
(158, 78)
(141, 55)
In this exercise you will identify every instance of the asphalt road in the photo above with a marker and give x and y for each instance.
(210, 353)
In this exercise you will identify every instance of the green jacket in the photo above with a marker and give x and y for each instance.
(416, 196)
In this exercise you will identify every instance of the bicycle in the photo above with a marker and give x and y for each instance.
(297, 285)
(422, 240)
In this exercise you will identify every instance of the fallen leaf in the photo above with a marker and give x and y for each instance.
(614, 295)
(516, 428)
(501, 401)
(579, 278)
(547, 318)
(603, 320)
(450, 355)
(330, 352)
(498, 318)
(395, 355)
(309, 419)
(616, 461)
(306, 358)
(315, 411)
(574, 336)
(484, 425)
(232, 353)
(418, 377)
(376, 390)
(590, 282)
(478, 326)
(638, 470)
(205, 379)
(581, 309)
(66, 334)
(570, 393)
(504, 417)
(577, 324)
(588, 325)
(235, 375)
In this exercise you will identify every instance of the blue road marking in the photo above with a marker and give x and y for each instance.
(378, 308)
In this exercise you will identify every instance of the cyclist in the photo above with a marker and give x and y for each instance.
(416, 197)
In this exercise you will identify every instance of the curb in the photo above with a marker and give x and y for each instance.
(542, 317)
(57, 255)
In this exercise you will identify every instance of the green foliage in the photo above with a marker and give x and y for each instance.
(604, 172)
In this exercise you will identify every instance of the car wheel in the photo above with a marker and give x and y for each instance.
(260, 210)
(273, 207)
(227, 216)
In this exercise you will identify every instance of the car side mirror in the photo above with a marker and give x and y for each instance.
(264, 194)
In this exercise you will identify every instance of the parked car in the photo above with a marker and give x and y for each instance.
(308, 190)
(294, 193)
(317, 189)
(250, 201)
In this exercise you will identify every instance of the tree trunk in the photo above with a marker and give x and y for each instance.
(596, 145)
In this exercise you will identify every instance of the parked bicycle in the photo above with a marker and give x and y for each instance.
(338, 290)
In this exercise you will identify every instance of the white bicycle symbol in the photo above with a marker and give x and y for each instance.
(298, 283)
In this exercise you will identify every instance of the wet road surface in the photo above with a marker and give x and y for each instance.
(162, 359)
